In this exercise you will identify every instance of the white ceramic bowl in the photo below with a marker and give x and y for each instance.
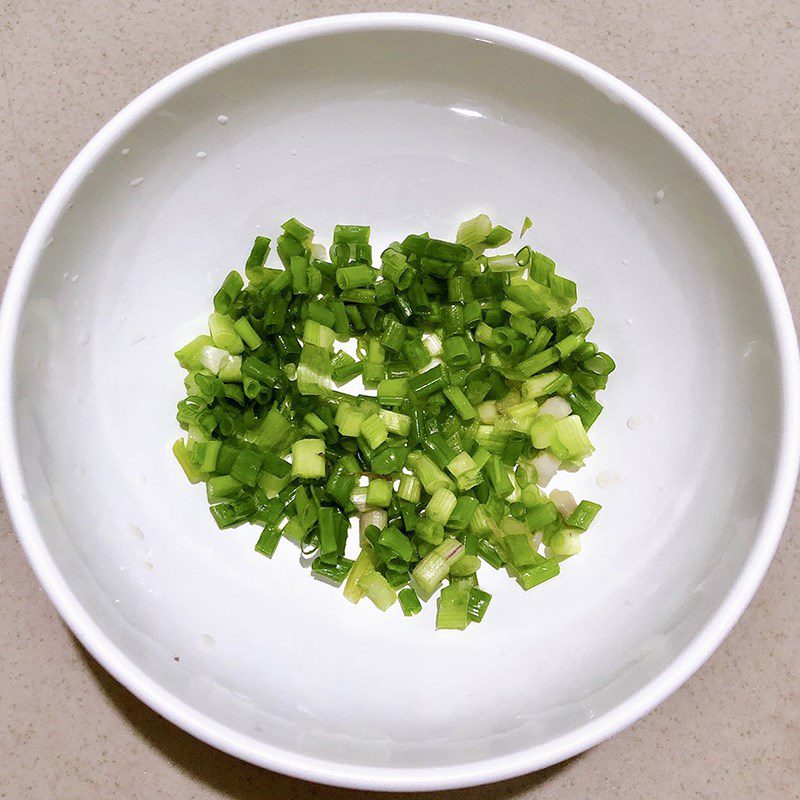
(404, 122)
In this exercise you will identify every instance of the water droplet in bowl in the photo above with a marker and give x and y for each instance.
(200, 154)
(293, 151)
(659, 196)
(125, 151)
(625, 261)
(223, 119)
(608, 478)
(638, 421)
(207, 641)
(753, 348)
(136, 182)
(76, 278)
(136, 532)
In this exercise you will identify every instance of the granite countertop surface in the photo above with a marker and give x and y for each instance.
(727, 72)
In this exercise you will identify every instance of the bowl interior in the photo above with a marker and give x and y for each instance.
(404, 130)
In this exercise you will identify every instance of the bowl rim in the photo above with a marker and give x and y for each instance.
(321, 770)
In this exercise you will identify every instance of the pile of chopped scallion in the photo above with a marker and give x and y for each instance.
(479, 384)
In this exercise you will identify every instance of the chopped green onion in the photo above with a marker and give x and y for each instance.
(223, 333)
(433, 568)
(486, 386)
(441, 506)
(345, 368)
(364, 564)
(541, 515)
(298, 231)
(600, 364)
(564, 287)
(233, 284)
(308, 458)
(399, 424)
(388, 460)
(583, 516)
(497, 236)
(539, 361)
(473, 232)
(189, 356)
(463, 513)
(409, 602)
(520, 549)
(231, 368)
(410, 488)
(184, 458)
(465, 470)
(318, 335)
(507, 263)
(426, 383)
(268, 541)
(478, 604)
(429, 531)
(426, 247)
(351, 234)
(498, 475)
(569, 441)
(453, 608)
(396, 269)
(396, 544)
(566, 542)
(460, 403)
(336, 572)
(532, 576)
(379, 493)
(541, 431)
(314, 371)
(374, 430)
(247, 333)
(356, 277)
(393, 391)
(431, 477)
(568, 344)
(466, 565)
(580, 321)
(247, 466)
(377, 589)
(490, 555)
(349, 420)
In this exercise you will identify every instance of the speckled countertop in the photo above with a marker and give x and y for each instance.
(728, 72)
